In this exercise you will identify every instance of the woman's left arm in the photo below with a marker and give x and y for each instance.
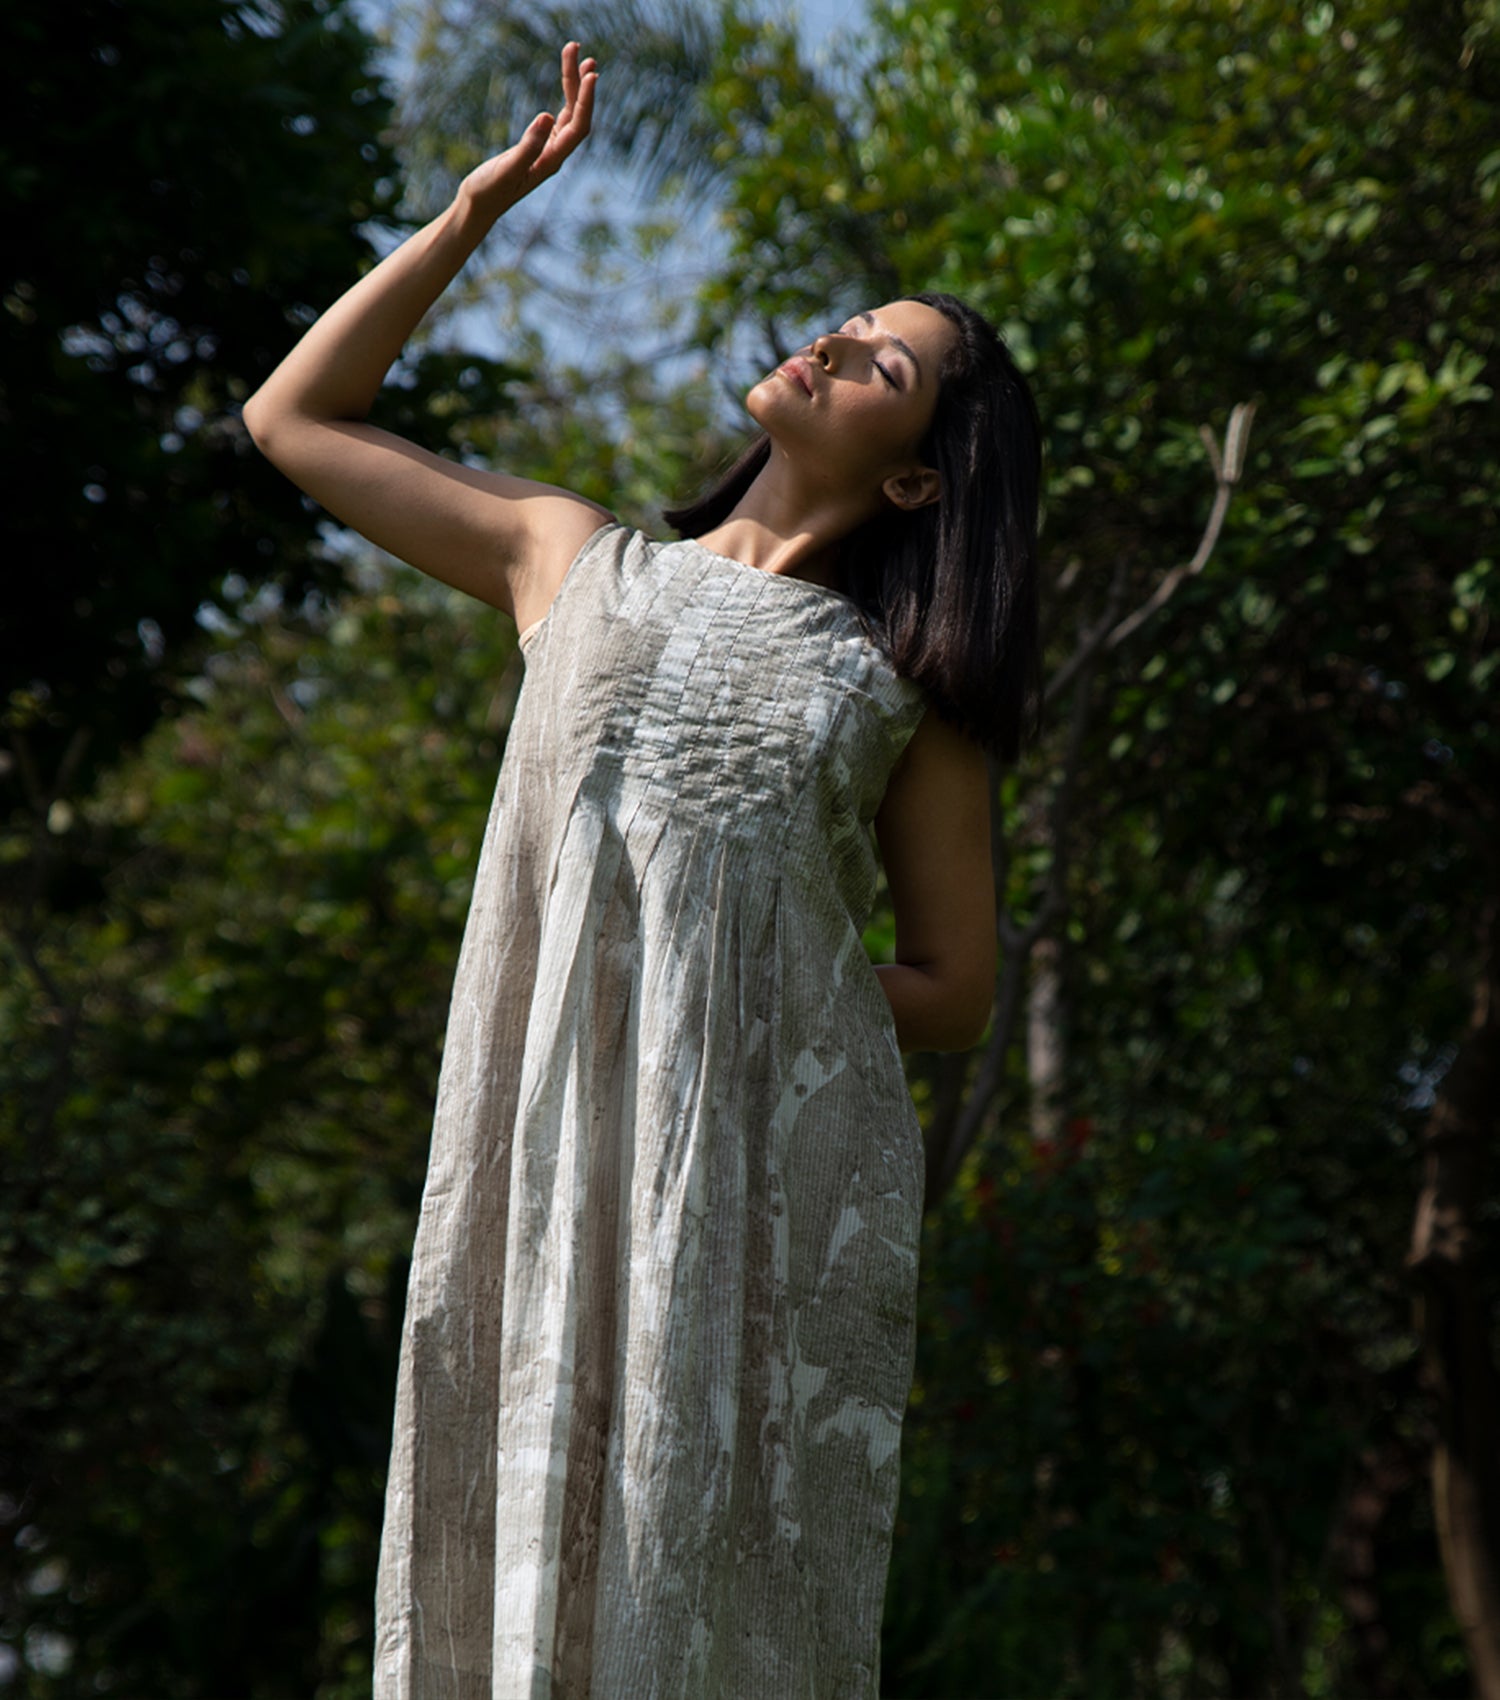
(934, 834)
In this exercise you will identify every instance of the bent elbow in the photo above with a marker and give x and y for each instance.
(971, 1002)
(277, 431)
(963, 1018)
(970, 1025)
(259, 421)
(937, 1011)
(272, 424)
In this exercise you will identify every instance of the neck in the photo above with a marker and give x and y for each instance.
(780, 525)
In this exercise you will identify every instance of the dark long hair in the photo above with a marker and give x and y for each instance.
(950, 589)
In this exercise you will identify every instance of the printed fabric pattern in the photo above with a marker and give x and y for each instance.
(659, 1326)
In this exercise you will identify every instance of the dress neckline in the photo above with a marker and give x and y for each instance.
(765, 572)
(524, 636)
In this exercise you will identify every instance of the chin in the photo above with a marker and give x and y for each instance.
(760, 400)
(770, 405)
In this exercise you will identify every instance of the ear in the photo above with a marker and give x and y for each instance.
(913, 489)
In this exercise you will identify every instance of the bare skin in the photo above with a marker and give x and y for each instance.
(507, 541)
(844, 417)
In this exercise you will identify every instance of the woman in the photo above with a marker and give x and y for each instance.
(659, 1327)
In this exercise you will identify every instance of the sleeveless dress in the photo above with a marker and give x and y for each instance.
(659, 1327)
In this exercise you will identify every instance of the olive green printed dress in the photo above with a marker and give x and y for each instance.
(659, 1328)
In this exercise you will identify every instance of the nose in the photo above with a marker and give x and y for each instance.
(825, 351)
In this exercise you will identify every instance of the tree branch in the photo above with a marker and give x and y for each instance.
(1227, 467)
(1227, 471)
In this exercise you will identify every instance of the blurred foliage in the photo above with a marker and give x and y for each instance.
(1160, 1352)
(206, 1257)
(481, 70)
(187, 185)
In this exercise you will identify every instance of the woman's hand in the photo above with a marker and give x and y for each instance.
(494, 187)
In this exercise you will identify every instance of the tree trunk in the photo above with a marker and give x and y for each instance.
(1453, 1321)
(1382, 1474)
(1045, 1054)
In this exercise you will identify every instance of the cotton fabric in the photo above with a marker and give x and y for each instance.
(659, 1326)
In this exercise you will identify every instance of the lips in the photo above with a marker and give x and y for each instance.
(797, 370)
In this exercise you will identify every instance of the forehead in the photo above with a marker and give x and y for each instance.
(929, 332)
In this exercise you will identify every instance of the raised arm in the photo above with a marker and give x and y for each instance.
(934, 833)
(506, 540)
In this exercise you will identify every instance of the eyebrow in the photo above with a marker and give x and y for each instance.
(900, 342)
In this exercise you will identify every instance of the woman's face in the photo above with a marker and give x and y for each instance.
(853, 406)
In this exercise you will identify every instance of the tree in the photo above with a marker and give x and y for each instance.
(234, 164)
(184, 180)
(207, 1261)
(162, 162)
(188, 183)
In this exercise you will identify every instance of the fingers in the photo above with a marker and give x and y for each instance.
(579, 77)
(583, 112)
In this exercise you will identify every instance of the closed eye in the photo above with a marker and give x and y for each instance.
(883, 370)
